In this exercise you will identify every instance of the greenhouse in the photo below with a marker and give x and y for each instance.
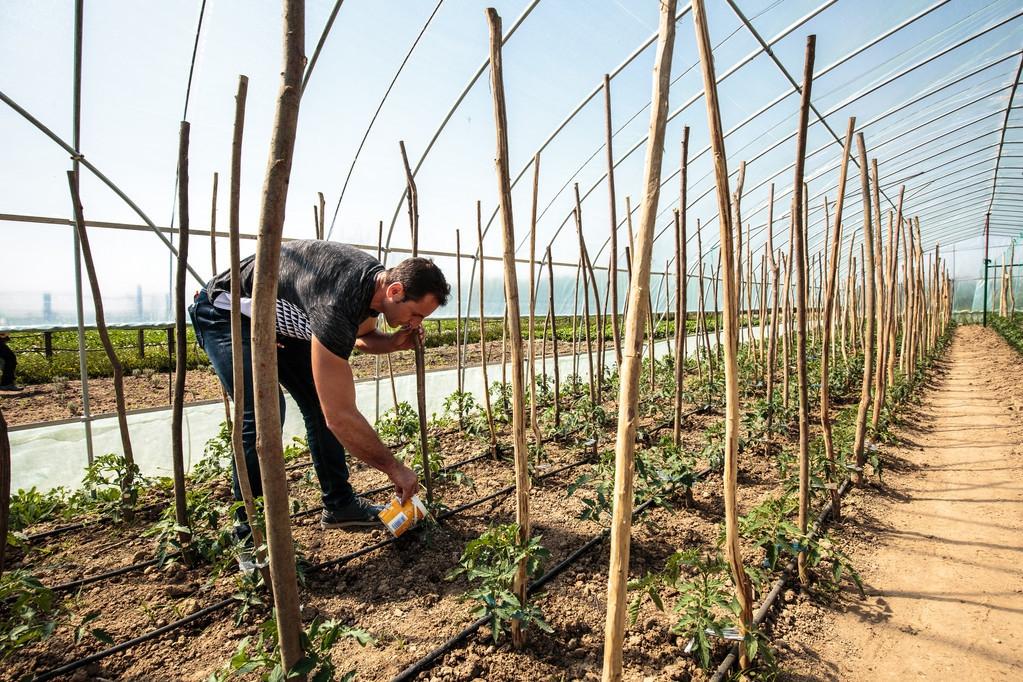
(622, 340)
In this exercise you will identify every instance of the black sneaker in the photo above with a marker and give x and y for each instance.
(360, 512)
(11, 388)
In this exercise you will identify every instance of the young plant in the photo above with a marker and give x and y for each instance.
(264, 657)
(211, 539)
(215, 464)
(491, 561)
(473, 419)
(769, 526)
(295, 449)
(705, 604)
(398, 425)
(102, 486)
(28, 611)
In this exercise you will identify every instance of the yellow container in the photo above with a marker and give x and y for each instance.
(400, 517)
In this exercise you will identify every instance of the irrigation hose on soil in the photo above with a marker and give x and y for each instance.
(100, 577)
(218, 606)
(426, 662)
(765, 608)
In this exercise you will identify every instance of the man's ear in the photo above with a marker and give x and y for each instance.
(396, 290)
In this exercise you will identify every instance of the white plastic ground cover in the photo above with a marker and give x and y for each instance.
(50, 456)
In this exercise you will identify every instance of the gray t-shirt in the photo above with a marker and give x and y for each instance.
(324, 290)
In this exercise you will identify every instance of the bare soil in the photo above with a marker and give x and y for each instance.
(938, 544)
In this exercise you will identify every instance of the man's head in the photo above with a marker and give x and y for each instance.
(412, 290)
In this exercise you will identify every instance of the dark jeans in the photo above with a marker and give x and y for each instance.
(295, 373)
(9, 363)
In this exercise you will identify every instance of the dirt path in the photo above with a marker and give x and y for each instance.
(940, 547)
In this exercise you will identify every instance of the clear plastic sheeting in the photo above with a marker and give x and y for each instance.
(50, 456)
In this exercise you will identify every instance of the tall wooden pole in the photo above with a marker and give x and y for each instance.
(801, 286)
(483, 340)
(215, 271)
(537, 439)
(613, 269)
(681, 266)
(213, 225)
(772, 340)
(420, 352)
(733, 551)
(511, 292)
(237, 351)
(264, 340)
(586, 294)
(554, 338)
(181, 344)
(128, 483)
(458, 320)
(628, 392)
(868, 314)
(5, 488)
(829, 297)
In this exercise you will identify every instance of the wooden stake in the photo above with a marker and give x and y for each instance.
(868, 314)
(483, 341)
(264, 341)
(628, 394)
(836, 242)
(128, 483)
(321, 222)
(733, 551)
(181, 349)
(458, 322)
(772, 341)
(5, 488)
(537, 438)
(213, 226)
(420, 351)
(213, 267)
(237, 351)
(511, 292)
(801, 286)
(613, 265)
(586, 295)
(554, 338)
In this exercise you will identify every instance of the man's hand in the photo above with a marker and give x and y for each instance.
(406, 483)
(405, 338)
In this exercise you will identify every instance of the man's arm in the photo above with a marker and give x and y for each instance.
(335, 386)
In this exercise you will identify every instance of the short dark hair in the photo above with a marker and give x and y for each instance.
(420, 276)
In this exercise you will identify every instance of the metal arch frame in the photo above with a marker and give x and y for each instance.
(695, 98)
(319, 46)
(831, 169)
(847, 102)
(95, 171)
(874, 88)
(1005, 123)
(821, 172)
(447, 117)
(380, 106)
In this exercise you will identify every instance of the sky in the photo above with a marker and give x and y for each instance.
(137, 57)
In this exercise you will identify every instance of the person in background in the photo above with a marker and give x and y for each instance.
(10, 365)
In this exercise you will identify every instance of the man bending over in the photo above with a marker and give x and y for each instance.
(328, 298)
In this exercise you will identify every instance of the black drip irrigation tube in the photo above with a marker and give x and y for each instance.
(224, 603)
(427, 662)
(106, 575)
(765, 608)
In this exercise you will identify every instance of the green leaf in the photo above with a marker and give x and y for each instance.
(102, 635)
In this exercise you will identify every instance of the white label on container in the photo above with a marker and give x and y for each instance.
(397, 522)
